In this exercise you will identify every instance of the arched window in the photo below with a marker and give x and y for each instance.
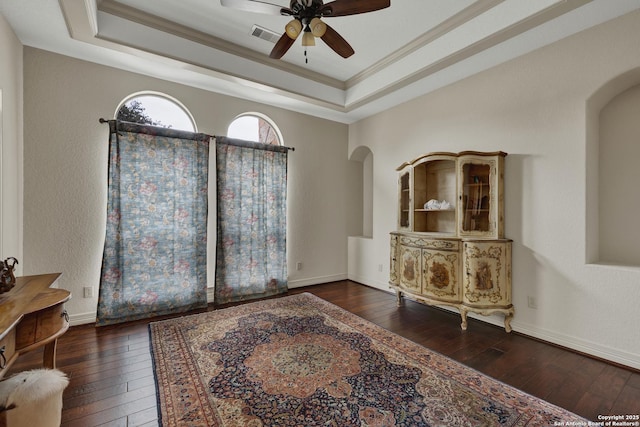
(157, 109)
(255, 127)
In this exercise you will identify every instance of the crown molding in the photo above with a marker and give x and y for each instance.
(77, 17)
(446, 26)
(484, 44)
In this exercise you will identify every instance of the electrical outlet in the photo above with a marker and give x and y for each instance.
(88, 291)
(531, 302)
(298, 266)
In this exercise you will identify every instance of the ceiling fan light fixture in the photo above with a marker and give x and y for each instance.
(318, 28)
(293, 28)
(307, 18)
(308, 39)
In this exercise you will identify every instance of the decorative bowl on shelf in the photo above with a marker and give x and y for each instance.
(437, 205)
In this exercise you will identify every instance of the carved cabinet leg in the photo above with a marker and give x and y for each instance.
(463, 314)
(507, 321)
(398, 298)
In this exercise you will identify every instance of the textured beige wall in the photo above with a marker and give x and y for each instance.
(10, 144)
(534, 108)
(65, 151)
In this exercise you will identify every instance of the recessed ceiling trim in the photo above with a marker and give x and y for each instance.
(448, 25)
(152, 21)
(225, 75)
(76, 16)
(92, 7)
(520, 27)
(80, 20)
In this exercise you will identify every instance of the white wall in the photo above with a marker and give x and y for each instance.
(65, 179)
(534, 108)
(10, 144)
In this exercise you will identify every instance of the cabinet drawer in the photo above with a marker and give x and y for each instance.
(39, 326)
(8, 349)
(430, 243)
(50, 322)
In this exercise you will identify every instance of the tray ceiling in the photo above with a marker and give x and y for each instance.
(406, 50)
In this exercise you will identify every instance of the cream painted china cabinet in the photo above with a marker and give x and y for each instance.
(449, 248)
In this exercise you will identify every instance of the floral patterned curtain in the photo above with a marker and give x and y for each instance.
(155, 253)
(251, 256)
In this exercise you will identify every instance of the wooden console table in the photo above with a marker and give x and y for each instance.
(32, 314)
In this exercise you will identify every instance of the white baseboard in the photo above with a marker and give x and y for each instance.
(383, 286)
(90, 317)
(309, 281)
(300, 283)
(82, 318)
(583, 346)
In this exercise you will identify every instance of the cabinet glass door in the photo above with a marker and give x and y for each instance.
(476, 197)
(405, 201)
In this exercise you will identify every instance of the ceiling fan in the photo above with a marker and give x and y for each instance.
(307, 20)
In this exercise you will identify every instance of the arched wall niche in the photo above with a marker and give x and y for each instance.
(612, 172)
(361, 179)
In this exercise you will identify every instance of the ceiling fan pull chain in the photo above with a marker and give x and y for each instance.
(306, 58)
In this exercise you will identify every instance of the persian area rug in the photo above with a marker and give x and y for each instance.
(301, 361)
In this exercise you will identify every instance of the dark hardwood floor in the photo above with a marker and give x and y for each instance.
(111, 374)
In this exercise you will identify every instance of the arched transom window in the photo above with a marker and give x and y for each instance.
(255, 127)
(157, 109)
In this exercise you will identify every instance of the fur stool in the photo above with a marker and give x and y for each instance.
(32, 398)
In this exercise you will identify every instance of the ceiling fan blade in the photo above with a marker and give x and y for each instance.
(337, 43)
(257, 6)
(281, 47)
(352, 7)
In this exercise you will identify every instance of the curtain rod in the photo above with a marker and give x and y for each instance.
(101, 120)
